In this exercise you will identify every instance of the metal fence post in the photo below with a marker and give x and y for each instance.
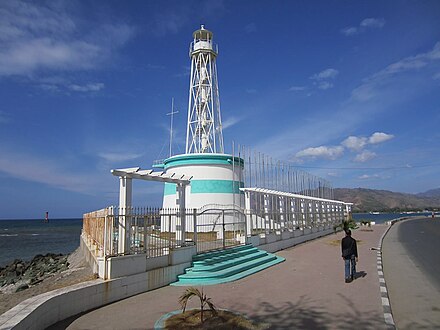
(169, 228)
(223, 226)
(195, 225)
(105, 233)
(145, 233)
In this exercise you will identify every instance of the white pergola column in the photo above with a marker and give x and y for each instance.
(247, 205)
(125, 198)
(181, 230)
(347, 211)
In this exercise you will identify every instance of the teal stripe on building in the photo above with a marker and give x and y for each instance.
(208, 187)
(203, 159)
(170, 189)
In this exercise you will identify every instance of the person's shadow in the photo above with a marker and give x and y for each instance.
(360, 274)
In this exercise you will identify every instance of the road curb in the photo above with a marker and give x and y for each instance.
(387, 312)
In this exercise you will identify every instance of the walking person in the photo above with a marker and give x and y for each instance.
(350, 256)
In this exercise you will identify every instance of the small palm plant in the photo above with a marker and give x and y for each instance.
(204, 301)
(350, 224)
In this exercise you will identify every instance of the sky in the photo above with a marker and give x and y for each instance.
(346, 90)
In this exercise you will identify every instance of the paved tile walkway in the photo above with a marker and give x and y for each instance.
(307, 291)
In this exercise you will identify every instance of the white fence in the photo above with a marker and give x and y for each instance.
(154, 232)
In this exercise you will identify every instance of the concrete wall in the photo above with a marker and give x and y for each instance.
(274, 242)
(46, 309)
(139, 263)
(88, 255)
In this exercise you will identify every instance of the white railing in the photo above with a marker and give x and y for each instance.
(154, 232)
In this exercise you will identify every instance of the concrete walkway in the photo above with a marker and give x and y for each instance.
(307, 291)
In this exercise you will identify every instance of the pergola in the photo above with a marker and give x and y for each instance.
(126, 176)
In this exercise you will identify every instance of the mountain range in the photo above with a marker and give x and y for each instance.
(370, 200)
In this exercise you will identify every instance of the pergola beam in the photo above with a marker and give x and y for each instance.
(149, 175)
(126, 175)
(286, 194)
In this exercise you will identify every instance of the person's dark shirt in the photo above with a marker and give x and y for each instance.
(349, 242)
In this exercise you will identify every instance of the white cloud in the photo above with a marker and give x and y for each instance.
(323, 79)
(325, 85)
(364, 25)
(369, 176)
(366, 101)
(355, 143)
(373, 23)
(436, 76)
(349, 31)
(47, 171)
(62, 84)
(325, 74)
(379, 137)
(230, 121)
(321, 152)
(365, 156)
(92, 87)
(115, 157)
(27, 56)
(36, 37)
(364, 92)
(374, 84)
(352, 143)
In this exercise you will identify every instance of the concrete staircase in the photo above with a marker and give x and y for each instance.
(221, 266)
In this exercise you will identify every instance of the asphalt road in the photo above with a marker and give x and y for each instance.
(411, 263)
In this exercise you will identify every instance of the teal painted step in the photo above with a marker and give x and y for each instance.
(227, 256)
(230, 262)
(226, 272)
(219, 257)
(221, 266)
(214, 253)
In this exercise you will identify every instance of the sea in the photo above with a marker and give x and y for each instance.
(23, 239)
(380, 218)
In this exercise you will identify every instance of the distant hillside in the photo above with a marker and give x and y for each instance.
(430, 193)
(368, 200)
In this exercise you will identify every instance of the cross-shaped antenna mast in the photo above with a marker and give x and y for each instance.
(172, 113)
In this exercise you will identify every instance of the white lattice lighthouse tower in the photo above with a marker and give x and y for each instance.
(216, 176)
(204, 128)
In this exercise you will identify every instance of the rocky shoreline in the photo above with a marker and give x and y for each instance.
(19, 275)
(20, 280)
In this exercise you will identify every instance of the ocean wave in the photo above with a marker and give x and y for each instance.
(8, 235)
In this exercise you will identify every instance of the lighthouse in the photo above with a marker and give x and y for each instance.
(204, 128)
(216, 176)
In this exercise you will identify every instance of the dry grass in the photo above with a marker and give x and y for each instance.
(223, 320)
(337, 242)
